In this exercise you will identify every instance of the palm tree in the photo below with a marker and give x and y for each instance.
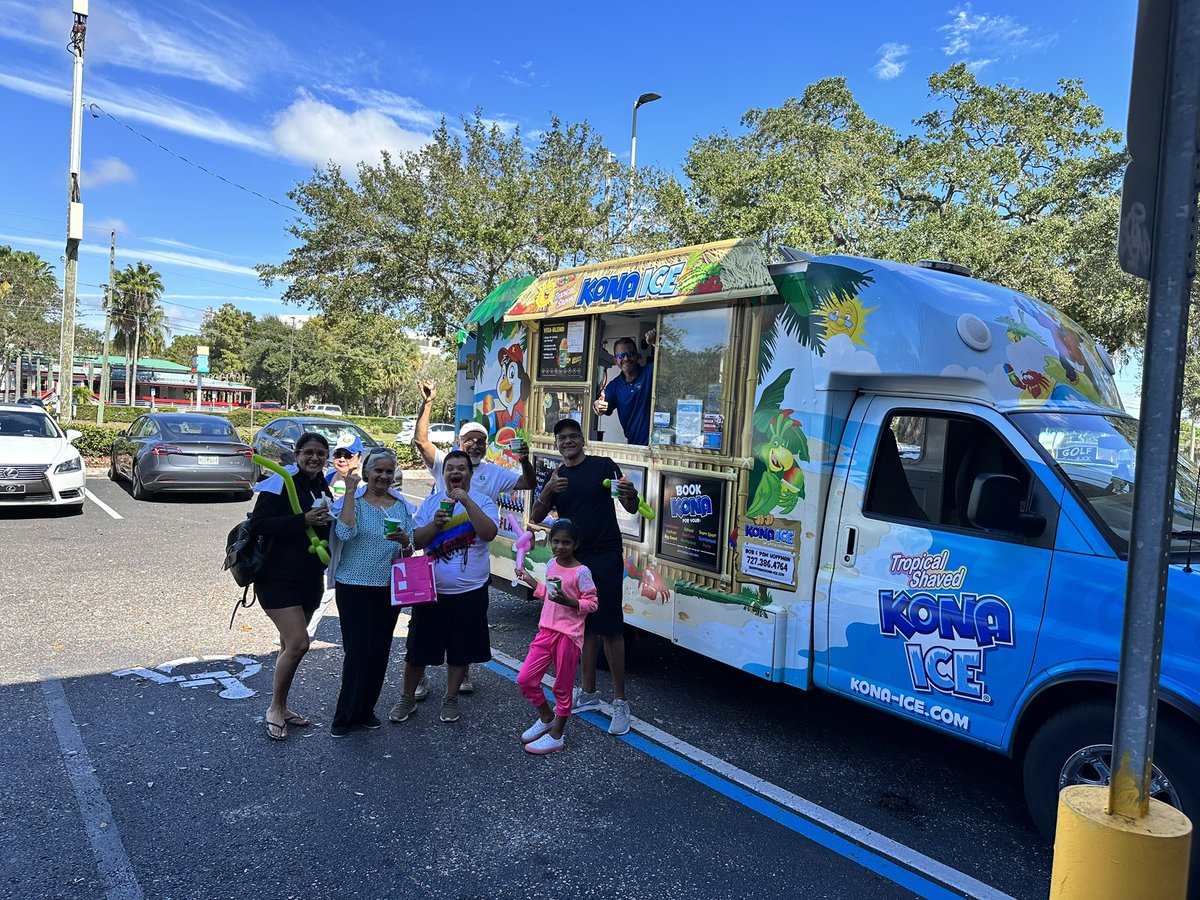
(136, 293)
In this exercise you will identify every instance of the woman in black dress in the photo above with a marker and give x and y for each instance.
(292, 581)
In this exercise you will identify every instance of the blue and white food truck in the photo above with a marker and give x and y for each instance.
(892, 482)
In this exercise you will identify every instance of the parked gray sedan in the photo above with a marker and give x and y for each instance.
(182, 452)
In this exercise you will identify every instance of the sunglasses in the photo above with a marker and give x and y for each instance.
(314, 454)
(629, 355)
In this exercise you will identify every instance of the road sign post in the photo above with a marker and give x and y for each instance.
(1118, 842)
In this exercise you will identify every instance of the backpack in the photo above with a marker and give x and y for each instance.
(245, 557)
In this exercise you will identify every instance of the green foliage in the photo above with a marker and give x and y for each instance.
(30, 304)
(137, 316)
(1019, 185)
(97, 439)
(429, 234)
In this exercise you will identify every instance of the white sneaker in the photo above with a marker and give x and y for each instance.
(620, 718)
(545, 744)
(422, 690)
(535, 731)
(582, 701)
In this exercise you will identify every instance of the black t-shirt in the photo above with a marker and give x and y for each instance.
(589, 504)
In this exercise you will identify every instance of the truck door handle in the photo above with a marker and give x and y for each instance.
(850, 546)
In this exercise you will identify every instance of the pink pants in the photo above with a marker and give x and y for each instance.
(550, 647)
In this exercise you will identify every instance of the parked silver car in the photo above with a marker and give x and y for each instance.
(182, 452)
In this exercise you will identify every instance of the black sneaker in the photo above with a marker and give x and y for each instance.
(340, 729)
(371, 721)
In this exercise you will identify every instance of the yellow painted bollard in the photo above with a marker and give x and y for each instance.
(1098, 856)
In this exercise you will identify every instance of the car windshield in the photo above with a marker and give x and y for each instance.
(1097, 455)
(196, 428)
(15, 423)
(331, 431)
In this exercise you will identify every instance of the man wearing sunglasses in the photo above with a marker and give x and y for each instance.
(630, 394)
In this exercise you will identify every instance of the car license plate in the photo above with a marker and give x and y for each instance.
(209, 460)
(10, 488)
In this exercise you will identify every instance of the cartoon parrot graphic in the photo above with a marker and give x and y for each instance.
(776, 462)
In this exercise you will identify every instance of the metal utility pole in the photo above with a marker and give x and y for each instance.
(66, 355)
(291, 355)
(105, 368)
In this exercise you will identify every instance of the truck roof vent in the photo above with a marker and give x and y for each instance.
(974, 332)
(941, 265)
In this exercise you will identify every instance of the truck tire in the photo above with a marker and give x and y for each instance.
(1074, 746)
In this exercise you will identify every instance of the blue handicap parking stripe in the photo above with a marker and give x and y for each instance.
(880, 865)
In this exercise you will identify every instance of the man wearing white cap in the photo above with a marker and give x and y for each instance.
(486, 477)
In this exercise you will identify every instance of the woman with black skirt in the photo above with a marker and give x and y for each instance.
(291, 584)
(373, 528)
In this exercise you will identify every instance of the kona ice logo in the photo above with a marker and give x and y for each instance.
(946, 633)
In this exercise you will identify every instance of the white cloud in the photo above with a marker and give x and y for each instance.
(108, 170)
(313, 131)
(404, 109)
(967, 32)
(891, 61)
(976, 65)
(105, 225)
(186, 260)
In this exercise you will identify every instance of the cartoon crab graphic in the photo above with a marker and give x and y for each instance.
(1033, 382)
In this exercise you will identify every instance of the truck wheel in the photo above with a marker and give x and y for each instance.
(1074, 746)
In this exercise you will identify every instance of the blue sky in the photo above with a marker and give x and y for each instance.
(262, 92)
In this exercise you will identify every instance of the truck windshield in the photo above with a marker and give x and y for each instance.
(1097, 454)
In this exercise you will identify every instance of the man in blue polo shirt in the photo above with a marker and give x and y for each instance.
(630, 394)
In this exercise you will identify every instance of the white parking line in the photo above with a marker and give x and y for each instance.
(100, 503)
(880, 845)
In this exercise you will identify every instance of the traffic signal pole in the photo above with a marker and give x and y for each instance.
(1116, 841)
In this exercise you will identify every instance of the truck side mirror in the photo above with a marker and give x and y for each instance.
(995, 505)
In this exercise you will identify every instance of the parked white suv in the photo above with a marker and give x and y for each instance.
(325, 409)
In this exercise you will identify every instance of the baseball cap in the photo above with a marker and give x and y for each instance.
(472, 428)
(348, 440)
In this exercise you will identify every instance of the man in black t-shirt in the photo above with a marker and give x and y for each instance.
(576, 491)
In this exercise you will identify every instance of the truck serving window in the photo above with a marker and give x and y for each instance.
(926, 465)
(692, 378)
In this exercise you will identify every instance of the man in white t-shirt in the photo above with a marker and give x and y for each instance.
(454, 630)
(486, 477)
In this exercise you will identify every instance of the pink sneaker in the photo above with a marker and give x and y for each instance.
(545, 744)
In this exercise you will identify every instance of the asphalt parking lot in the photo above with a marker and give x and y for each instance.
(158, 781)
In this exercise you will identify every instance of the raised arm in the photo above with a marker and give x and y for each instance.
(420, 439)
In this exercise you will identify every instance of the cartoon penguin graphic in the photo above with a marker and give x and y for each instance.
(512, 388)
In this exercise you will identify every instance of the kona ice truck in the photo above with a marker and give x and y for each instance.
(891, 482)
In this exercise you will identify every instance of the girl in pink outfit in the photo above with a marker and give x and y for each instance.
(559, 639)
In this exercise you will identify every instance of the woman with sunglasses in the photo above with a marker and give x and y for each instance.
(291, 584)
(373, 528)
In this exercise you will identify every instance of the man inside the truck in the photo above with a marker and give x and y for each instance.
(630, 393)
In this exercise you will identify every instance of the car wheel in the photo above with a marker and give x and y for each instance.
(76, 510)
(112, 467)
(1074, 746)
(243, 496)
(139, 489)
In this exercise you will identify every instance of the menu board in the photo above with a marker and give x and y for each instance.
(690, 513)
(562, 350)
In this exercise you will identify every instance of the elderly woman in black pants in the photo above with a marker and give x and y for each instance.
(373, 529)
(291, 584)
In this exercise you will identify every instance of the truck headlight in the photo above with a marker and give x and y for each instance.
(71, 465)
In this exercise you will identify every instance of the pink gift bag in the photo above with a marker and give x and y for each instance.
(412, 581)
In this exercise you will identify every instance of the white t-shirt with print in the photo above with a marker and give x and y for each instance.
(461, 561)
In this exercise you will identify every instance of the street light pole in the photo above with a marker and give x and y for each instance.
(105, 364)
(649, 97)
(66, 356)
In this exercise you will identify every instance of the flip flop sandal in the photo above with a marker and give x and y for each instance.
(297, 721)
(277, 731)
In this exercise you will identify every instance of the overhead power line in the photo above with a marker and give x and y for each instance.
(97, 110)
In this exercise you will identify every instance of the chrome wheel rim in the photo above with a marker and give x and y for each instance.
(1093, 765)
